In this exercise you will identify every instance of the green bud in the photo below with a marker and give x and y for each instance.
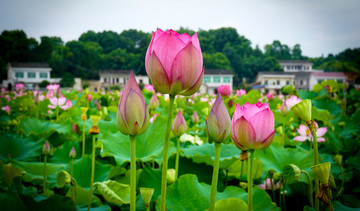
(170, 176)
(322, 172)
(63, 178)
(303, 110)
(291, 173)
(338, 159)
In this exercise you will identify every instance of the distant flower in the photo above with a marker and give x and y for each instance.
(240, 92)
(224, 90)
(305, 133)
(149, 87)
(152, 119)
(195, 118)
(46, 148)
(19, 87)
(293, 100)
(269, 96)
(88, 97)
(53, 87)
(72, 153)
(267, 185)
(154, 102)
(60, 102)
(6, 108)
(179, 124)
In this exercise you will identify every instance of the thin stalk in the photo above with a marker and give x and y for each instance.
(284, 137)
(83, 142)
(92, 172)
(165, 154)
(342, 180)
(316, 161)
(310, 188)
(147, 207)
(45, 176)
(215, 176)
(241, 171)
(177, 158)
(57, 113)
(329, 195)
(272, 189)
(250, 179)
(132, 173)
(71, 176)
(280, 196)
(283, 188)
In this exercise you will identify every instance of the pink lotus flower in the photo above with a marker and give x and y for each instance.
(269, 96)
(6, 108)
(72, 153)
(132, 115)
(174, 63)
(53, 87)
(19, 87)
(149, 87)
(267, 185)
(253, 126)
(88, 97)
(179, 125)
(240, 92)
(305, 133)
(293, 100)
(46, 148)
(154, 102)
(60, 102)
(224, 90)
(218, 124)
(195, 118)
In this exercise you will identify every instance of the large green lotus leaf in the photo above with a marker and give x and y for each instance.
(275, 157)
(57, 139)
(18, 148)
(338, 206)
(206, 154)
(188, 194)
(327, 104)
(100, 208)
(82, 196)
(36, 126)
(233, 204)
(57, 203)
(149, 145)
(11, 201)
(82, 171)
(235, 168)
(109, 126)
(151, 178)
(113, 191)
(61, 154)
(35, 171)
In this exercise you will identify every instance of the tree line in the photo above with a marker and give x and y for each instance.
(222, 48)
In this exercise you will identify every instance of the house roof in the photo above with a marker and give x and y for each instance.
(217, 72)
(29, 65)
(329, 74)
(125, 72)
(295, 61)
(274, 73)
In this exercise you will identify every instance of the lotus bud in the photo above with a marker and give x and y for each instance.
(284, 109)
(46, 148)
(132, 115)
(63, 178)
(195, 118)
(179, 125)
(94, 128)
(224, 90)
(322, 172)
(273, 174)
(338, 159)
(291, 173)
(75, 128)
(303, 110)
(72, 153)
(243, 185)
(83, 113)
(218, 124)
(170, 176)
(154, 102)
(147, 194)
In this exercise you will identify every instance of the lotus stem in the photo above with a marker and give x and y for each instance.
(177, 158)
(316, 161)
(272, 189)
(45, 176)
(92, 172)
(250, 179)
(165, 154)
(310, 187)
(283, 194)
(133, 173)
(284, 137)
(215, 176)
(83, 142)
(241, 171)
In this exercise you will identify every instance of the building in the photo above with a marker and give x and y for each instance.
(213, 78)
(31, 74)
(111, 78)
(318, 77)
(296, 65)
(273, 81)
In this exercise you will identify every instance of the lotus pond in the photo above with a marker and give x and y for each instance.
(281, 172)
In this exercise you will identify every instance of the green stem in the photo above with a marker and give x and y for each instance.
(132, 173)
(284, 137)
(215, 176)
(342, 180)
(177, 158)
(57, 113)
(283, 194)
(272, 189)
(165, 154)
(71, 177)
(241, 171)
(92, 172)
(310, 188)
(316, 161)
(45, 176)
(83, 143)
(280, 197)
(250, 179)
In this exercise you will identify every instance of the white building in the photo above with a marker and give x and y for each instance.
(109, 78)
(273, 81)
(214, 78)
(31, 74)
(316, 78)
(296, 65)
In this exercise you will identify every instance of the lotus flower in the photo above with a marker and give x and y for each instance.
(6, 108)
(132, 114)
(253, 126)
(224, 90)
(195, 118)
(53, 87)
(46, 148)
(149, 87)
(154, 102)
(88, 97)
(19, 87)
(240, 92)
(267, 184)
(174, 63)
(305, 133)
(179, 124)
(72, 153)
(269, 96)
(218, 124)
(60, 102)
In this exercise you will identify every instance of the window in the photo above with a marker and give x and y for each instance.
(277, 82)
(19, 75)
(266, 82)
(117, 80)
(31, 75)
(207, 79)
(216, 79)
(141, 81)
(287, 82)
(301, 82)
(226, 79)
(319, 81)
(104, 80)
(340, 81)
(43, 75)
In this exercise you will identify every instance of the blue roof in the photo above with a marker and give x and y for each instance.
(258, 86)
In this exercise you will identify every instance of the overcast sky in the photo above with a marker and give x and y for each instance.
(319, 26)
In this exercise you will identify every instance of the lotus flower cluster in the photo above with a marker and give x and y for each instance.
(174, 63)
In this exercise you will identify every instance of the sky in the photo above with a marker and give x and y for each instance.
(319, 26)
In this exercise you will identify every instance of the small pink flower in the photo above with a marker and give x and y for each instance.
(6, 108)
(224, 90)
(67, 105)
(305, 133)
(267, 185)
(53, 87)
(240, 92)
(60, 102)
(269, 96)
(149, 87)
(19, 87)
(293, 100)
(88, 97)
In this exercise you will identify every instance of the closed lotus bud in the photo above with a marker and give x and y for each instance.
(154, 102)
(322, 171)
(253, 126)
(303, 110)
(291, 173)
(284, 109)
(170, 176)
(83, 113)
(72, 153)
(179, 125)
(195, 118)
(147, 194)
(63, 178)
(224, 90)
(46, 148)
(94, 128)
(174, 63)
(132, 115)
(218, 124)
(338, 159)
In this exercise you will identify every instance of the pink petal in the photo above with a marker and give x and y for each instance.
(250, 110)
(266, 143)
(54, 101)
(321, 131)
(130, 85)
(185, 37)
(51, 106)
(196, 86)
(320, 139)
(263, 123)
(302, 130)
(157, 74)
(149, 51)
(237, 114)
(61, 101)
(301, 138)
(244, 132)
